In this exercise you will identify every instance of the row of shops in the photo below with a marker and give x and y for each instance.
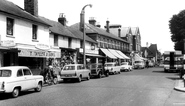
(36, 57)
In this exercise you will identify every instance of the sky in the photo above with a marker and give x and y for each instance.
(151, 16)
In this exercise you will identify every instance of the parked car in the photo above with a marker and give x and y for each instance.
(74, 71)
(112, 67)
(125, 66)
(139, 64)
(14, 79)
(98, 70)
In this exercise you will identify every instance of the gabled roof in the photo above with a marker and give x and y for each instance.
(125, 31)
(79, 34)
(149, 52)
(58, 28)
(10, 8)
(135, 30)
(96, 30)
(153, 48)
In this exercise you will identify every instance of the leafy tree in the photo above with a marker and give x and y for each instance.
(177, 28)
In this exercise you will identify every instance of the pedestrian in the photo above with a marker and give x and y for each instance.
(147, 64)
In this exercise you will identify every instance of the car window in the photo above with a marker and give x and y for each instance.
(79, 67)
(108, 65)
(124, 63)
(19, 73)
(69, 68)
(5, 73)
(26, 72)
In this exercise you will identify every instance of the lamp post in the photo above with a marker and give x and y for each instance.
(82, 28)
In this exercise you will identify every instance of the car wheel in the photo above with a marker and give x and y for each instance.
(107, 74)
(88, 77)
(80, 78)
(99, 75)
(16, 92)
(39, 87)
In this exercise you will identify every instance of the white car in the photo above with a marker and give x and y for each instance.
(14, 79)
(125, 66)
(112, 68)
(75, 71)
(139, 64)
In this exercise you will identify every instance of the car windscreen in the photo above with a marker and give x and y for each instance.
(137, 61)
(108, 65)
(69, 68)
(124, 63)
(5, 73)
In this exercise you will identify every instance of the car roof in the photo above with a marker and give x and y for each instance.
(13, 67)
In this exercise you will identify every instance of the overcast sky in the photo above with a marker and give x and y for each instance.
(151, 16)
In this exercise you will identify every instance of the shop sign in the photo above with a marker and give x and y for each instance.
(89, 51)
(7, 43)
(38, 53)
(42, 46)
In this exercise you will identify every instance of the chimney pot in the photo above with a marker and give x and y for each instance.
(62, 19)
(92, 21)
(107, 25)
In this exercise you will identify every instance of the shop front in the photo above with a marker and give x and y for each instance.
(37, 58)
(92, 56)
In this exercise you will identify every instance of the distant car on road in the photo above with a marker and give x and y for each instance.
(14, 79)
(112, 67)
(139, 64)
(125, 66)
(74, 71)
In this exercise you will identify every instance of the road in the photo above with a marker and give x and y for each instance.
(145, 87)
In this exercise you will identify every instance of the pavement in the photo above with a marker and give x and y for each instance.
(180, 85)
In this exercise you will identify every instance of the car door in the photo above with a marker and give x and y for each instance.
(30, 81)
(20, 80)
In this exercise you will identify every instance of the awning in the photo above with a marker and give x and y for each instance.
(107, 53)
(94, 55)
(116, 54)
(122, 54)
(137, 57)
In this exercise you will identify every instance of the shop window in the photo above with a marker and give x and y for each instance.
(34, 32)
(10, 24)
(55, 40)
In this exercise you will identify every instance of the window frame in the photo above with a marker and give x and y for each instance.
(10, 27)
(34, 32)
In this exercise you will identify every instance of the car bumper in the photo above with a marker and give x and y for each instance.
(2, 91)
(68, 77)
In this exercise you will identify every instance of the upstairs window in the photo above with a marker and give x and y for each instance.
(34, 32)
(10, 24)
(81, 44)
(55, 40)
(69, 42)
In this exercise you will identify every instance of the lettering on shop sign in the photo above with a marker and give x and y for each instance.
(36, 53)
(7, 43)
(42, 46)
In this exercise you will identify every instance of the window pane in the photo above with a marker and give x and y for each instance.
(34, 32)
(10, 23)
(19, 73)
(5, 73)
(26, 72)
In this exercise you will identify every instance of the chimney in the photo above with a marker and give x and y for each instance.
(119, 32)
(98, 25)
(92, 21)
(62, 19)
(31, 6)
(107, 26)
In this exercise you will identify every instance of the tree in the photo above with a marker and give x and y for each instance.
(177, 28)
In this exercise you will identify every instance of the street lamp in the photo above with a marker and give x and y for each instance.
(82, 28)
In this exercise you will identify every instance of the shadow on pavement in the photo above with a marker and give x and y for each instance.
(173, 78)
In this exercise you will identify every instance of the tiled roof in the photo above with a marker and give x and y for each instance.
(93, 29)
(58, 28)
(10, 8)
(79, 34)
